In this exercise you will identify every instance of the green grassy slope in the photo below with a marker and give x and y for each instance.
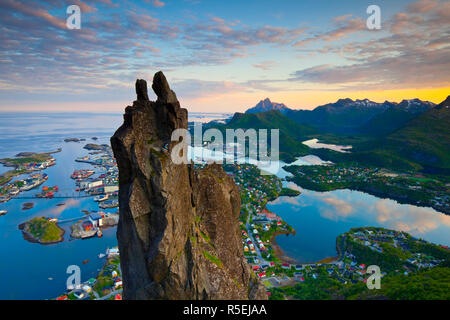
(291, 133)
(425, 139)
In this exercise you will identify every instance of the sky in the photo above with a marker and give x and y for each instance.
(221, 56)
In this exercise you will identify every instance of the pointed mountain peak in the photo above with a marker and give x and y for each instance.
(267, 105)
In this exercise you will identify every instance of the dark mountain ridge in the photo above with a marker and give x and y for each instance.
(360, 116)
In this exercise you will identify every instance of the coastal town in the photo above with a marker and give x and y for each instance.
(106, 286)
(357, 249)
(103, 188)
(28, 164)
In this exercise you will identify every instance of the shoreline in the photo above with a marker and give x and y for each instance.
(7, 176)
(379, 194)
(277, 251)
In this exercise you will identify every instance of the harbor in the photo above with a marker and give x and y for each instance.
(35, 264)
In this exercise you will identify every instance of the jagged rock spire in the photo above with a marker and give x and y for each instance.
(141, 90)
(162, 89)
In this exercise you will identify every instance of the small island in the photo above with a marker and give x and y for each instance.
(73, 140)
(289, 192)
(26, 162)
(42, 230)
(97, 147)
(28, 205)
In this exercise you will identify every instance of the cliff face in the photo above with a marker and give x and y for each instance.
(178, 231)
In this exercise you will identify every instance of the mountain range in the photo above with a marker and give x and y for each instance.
(410, 135)
(347, 116)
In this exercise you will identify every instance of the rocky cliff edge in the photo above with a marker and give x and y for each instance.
(178, 231)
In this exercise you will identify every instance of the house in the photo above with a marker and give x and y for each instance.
(286, 266)
(118, 283)
(112, 252)
(298, 267)
(262, 274)
(111, 188)
(96, 219)
(94, 184)
(86, 288)
(79, 294)
(87, 225)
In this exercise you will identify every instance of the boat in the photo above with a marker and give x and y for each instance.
(99, 233)
(47, 192)
(82, 174)
(14, 191)
(101, 255)
(101, 198)
(109, 204)
(5, 198)
(3, 212)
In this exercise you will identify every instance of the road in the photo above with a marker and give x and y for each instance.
(250, 234)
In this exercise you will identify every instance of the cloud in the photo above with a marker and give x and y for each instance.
(84, 7)
(409, 218)
(422, 6)
(32, 11)
(158, 3)
(70, 203)
(40, 57)
(293, 201)
(414, 54)
(344, 28)
(265, 65)
(340, 208)
(192, 88)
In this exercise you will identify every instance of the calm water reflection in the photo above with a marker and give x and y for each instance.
(318, 217)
